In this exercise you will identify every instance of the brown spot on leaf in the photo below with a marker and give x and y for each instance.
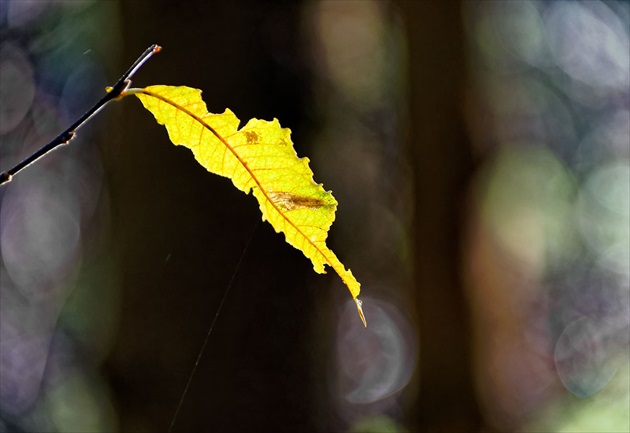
(251, 136)
(289, 201)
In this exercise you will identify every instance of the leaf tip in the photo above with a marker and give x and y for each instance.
(360, 311)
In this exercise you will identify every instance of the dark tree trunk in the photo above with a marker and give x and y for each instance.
(443, 166)
(181, 232)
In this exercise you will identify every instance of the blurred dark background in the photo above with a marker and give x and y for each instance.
(480, 155)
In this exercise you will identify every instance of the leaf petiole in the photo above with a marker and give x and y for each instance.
(113, 92)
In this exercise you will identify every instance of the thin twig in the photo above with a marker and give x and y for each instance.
(113, 92)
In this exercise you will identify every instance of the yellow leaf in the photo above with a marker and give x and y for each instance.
(260, 158)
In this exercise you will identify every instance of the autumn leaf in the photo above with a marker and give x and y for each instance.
(260, 158)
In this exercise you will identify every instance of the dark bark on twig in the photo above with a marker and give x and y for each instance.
(66, 136)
